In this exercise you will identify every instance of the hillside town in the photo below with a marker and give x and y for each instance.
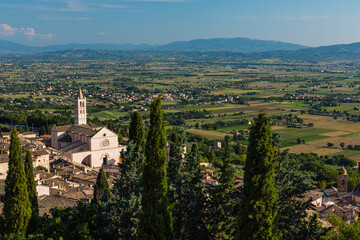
(68, 161)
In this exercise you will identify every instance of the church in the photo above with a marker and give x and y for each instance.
(84, 143)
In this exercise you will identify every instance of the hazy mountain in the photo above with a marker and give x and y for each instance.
(230, 44)
(11, 47)
(216, 44)
(348, 52)
(8, 47)
(327, 53)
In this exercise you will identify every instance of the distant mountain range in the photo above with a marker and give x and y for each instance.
(217, 49)
(215, 44)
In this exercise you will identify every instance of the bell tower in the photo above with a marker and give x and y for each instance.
(342, 180)
(80, 108)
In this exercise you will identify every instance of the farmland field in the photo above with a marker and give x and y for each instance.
(310, 108)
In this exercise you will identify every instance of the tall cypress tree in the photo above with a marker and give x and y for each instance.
(223, 199)
(194, 198)
(124, 209)
(175, 181)
(31, 186)
(101, 186)
(16, 209)
(136, 131)
(257, 210)
(156, 219)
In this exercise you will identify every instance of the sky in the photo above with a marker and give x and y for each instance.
(306, 22)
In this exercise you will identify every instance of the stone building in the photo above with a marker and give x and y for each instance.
(84, 143)
(342, 180)
(41, 158)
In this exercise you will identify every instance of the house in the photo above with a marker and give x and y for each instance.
(315, 196)
(4, 165)
(41, 158)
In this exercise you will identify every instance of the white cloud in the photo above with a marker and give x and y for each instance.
(100, 33)
(7, 31)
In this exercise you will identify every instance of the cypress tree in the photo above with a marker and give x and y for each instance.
(257, 210)
(175, 182)
(136, 131)
(16, 209)
(34, 220)
(101, 186)
(292, 219)
(31, 186)
(156, 219)
(194, 198)
(124, 209)
(223, 199)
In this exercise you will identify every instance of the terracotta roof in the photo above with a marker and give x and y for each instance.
(48, 202)
(76, 194)
(62, 128)
(83, 129)
(312, 195)
(45, 136)
(40, 152)
(28, 133)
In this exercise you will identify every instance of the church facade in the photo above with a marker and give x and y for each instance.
(84, 143)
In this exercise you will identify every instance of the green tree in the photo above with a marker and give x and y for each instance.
(343, 231)
(136, 130)
(342, 145)
(123, 211)
(175, 174)
(120, 138)
(101, 186)
(42, 130)
(17, 208)
(26, 126)
(156, 219)
(194, 198)
(223, 199)
(292, 220)
(257, 209)
(31, 186)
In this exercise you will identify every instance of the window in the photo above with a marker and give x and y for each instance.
(105, 160)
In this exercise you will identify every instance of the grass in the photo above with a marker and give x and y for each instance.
(209, 134)
(350, 134)
(107, 115)
(231, 128)
(347, 153)
(296, 104)
(289, 136)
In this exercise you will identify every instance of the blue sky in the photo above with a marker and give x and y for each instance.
(307, 22)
